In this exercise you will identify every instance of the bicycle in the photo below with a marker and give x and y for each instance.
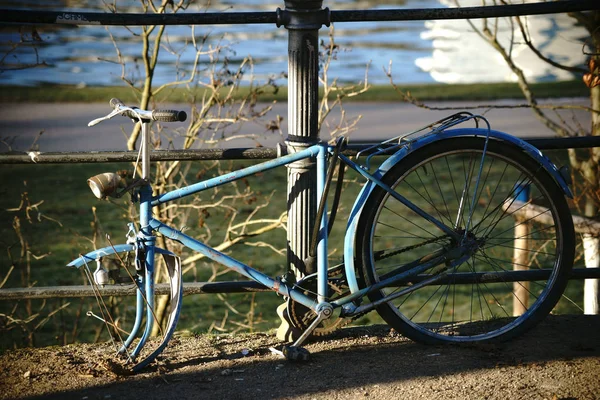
(430, 241)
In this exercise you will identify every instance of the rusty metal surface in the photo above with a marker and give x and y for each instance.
(128, 290)
(250, 153)
(130, 156)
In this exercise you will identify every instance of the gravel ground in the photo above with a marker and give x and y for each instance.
(560, 359)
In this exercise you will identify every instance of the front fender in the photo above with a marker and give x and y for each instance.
(350, 237)
(106, 251)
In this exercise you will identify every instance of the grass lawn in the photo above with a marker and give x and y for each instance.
(429, 92)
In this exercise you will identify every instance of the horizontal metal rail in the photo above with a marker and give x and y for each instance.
(190, 288)
(49, 292)
(274, 17)
(462, 278)
(129, 156)
(252, 153)
(511, 10)
(73, 17)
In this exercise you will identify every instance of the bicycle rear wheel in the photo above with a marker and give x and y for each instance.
(516, 218)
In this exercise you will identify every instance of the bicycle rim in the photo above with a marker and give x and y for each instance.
(520, 225)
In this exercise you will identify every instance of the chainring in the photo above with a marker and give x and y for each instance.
(301, 317)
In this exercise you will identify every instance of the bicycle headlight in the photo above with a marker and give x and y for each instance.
(104, 185)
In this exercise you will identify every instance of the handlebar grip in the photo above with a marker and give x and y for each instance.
(156, 115)
(169, 115)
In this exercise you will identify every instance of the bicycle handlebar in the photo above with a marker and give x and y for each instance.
(155, 115)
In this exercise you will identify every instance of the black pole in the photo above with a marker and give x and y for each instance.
(302, 19)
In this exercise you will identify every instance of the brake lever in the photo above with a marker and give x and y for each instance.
(115, 112)
(109, 116)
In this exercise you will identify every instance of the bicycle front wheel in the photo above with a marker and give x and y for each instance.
(504, 206)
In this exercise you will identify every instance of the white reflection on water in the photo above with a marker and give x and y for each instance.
(461, 56)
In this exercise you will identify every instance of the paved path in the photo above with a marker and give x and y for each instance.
(65, 125)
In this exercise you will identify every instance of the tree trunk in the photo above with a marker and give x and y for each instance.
(591, 244)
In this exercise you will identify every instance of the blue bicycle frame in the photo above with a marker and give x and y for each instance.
(144, 241)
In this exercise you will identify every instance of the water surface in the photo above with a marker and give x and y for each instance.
(420, 51)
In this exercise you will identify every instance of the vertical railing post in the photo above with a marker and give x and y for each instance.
(521, 255)
(302, 19)
(591, 296)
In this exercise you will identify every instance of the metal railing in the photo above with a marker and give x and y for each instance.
(240, 153)
(190, 288)
(290, 15)
(302, 19)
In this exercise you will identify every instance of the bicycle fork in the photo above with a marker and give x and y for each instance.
(146, 249)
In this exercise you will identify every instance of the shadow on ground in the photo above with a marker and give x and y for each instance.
(559, 359)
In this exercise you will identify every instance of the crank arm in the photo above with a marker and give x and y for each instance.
(324, 311)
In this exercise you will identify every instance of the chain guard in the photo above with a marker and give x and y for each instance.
(301, 317)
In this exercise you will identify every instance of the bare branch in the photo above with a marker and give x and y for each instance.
(529, 43)
(331, 89)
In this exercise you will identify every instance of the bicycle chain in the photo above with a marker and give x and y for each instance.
(415, 246)
(433, 240)
(301, 317)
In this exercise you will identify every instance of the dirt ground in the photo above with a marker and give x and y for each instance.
(560, 359)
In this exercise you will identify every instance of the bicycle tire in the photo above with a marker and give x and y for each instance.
(461, 307)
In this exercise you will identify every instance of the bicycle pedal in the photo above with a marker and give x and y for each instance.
(295, 353)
